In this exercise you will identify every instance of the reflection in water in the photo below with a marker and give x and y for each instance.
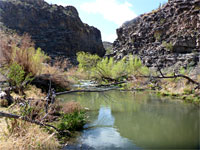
(104, 137)
(105, 118)
(125, 120)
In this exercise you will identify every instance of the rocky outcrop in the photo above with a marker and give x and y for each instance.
(56, 29)
(164, 37)
(108, 47)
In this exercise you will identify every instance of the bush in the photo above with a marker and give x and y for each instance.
(20, 50)
(72, 121)
(109, 70)
(17, 77)
(87, 61)
(73, 117)
(31, 59)
(57, 75)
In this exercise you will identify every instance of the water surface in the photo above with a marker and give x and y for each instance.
(129, 120)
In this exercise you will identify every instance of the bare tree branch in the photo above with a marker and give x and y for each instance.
(174, 76)
(9, 115)
(76, 91)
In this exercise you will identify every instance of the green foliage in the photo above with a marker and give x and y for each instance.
(182, 71)
(26, 110)
(30, 59)
(72, 121)
(185, 71)
(108, 69)
(87, 60)
(109, 51)
(17, 76)
(188, 91)
(168, 46)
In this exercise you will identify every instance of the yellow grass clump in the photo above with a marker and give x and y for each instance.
(71, 107)
(26, 136)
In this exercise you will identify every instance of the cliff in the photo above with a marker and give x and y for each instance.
(56, 29)
(165, 37)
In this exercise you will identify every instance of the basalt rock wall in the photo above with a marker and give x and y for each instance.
(56, 29)
(164, 37)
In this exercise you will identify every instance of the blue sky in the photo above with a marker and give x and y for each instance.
(108, 15)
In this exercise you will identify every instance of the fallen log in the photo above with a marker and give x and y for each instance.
(9, 115)
(174, 76)
(76, 91)
(111, 84)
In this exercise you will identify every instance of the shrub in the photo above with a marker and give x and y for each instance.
(182, 71)
(73, 117)
(72, 121)
(56, 75)
(168, 46)
(6, 43)
(109, 70)
(20, 50)
(109, 51)
(87, 60)
(17, 77)
(31, 59)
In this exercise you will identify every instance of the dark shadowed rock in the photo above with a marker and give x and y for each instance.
(56, 29)
(165, 36)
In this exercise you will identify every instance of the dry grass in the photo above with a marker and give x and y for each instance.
(21, 135)
(20, 50)
(26, 136)
(6, 43)
(138, 83)
(63, 73)
(71, 107)
(34, 93)
(57, 75)
(174, 86)
(73, 75)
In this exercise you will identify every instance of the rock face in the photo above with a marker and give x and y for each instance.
(56, 29)
(164, 37)
(108, 47)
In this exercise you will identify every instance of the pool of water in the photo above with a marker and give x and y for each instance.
(130, 120)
